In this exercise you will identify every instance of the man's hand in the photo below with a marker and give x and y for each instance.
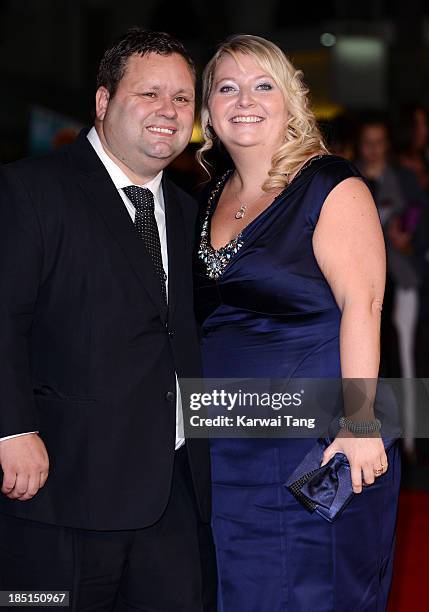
(25, 465)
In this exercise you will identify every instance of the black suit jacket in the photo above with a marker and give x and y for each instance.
(88, 349)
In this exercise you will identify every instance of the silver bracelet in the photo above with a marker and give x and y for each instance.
(360, 428)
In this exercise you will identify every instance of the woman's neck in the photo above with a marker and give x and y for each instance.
(251, 171)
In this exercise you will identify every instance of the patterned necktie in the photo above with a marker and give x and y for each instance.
(147, 229)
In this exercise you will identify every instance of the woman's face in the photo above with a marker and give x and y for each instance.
(246, 106)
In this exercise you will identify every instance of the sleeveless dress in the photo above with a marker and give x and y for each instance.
(266, 310)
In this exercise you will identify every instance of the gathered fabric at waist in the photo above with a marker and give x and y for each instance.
(242, 343)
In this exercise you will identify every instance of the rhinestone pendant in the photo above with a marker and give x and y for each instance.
(240, 213)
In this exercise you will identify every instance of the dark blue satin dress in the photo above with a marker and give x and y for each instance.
(271, 313)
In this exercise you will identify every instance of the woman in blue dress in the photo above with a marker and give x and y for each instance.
(289, 283)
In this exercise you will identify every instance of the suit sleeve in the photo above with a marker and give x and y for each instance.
(21, 258)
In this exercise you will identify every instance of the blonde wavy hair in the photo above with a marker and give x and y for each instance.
(302, 136)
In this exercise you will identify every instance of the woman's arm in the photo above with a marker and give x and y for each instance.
(349, 248)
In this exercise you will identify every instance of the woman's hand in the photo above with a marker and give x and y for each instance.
(366, 457)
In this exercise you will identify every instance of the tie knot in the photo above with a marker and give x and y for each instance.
(141, 197)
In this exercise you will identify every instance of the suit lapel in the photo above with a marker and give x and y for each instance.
(102, 193)
(176, 243)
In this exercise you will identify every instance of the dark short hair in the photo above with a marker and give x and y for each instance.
(371, 118)
(141, 42)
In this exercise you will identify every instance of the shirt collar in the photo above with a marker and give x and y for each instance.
(117, 175)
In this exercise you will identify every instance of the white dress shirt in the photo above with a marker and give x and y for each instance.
(120, 180)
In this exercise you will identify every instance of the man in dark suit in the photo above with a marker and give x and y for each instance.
(96, 325)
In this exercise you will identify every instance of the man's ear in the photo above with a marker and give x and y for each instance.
(102, 98)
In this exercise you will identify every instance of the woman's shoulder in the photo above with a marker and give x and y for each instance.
(325, 174)
(333, 168)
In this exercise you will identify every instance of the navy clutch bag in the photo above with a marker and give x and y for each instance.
(328, 489)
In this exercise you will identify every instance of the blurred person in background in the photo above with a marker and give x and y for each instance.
(398, 198)
(411, 142)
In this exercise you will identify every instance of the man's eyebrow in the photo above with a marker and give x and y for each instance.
(142, 85)
(186, 90)
(189, 91)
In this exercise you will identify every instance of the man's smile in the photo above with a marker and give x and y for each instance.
(157, 129)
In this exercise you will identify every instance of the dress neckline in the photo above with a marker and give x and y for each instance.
(217, 191)
(216, 260)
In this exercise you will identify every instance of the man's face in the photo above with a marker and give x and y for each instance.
(149, 119)
(374, 143)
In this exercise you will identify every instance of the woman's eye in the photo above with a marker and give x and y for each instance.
(264, 86)
(181, 99)
(227, 89)
(149, 94)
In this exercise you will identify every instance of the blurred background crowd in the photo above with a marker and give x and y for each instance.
(393, 156)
